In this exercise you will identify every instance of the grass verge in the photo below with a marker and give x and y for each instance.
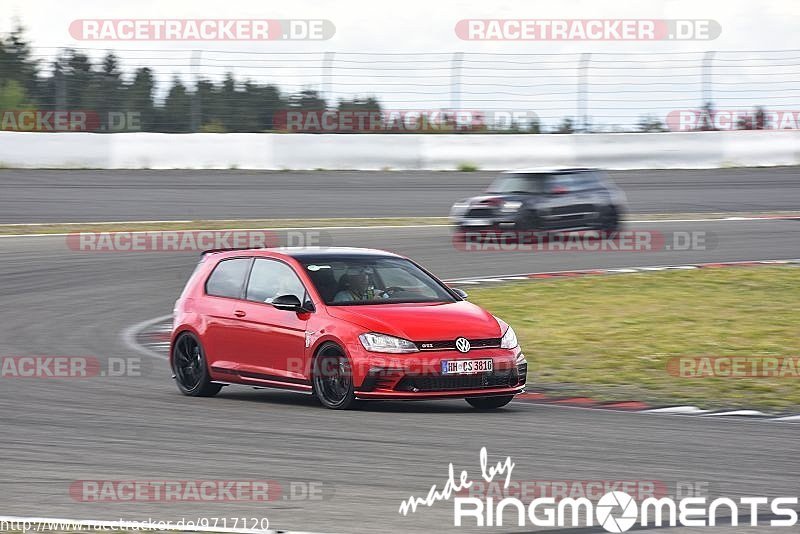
(610, 337)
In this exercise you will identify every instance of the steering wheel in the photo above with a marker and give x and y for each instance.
(391, 290)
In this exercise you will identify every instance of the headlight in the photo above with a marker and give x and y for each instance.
(509, 340)
(383, 343)
(511, 206)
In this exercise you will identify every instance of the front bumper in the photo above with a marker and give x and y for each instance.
(484, 222)
(418, 376)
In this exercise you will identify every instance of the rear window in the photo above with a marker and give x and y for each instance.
(518, 183)
(228, 277)
(542, 182)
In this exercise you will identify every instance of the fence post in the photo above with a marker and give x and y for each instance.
(197, 104)
(327, 76)
(583, 81)
(455, 80)
(706, 95)
(61, 90)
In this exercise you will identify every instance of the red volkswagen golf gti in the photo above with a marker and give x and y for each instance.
(341, 324)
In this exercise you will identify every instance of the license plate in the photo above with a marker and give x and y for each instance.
(466, 367)
(476, 222)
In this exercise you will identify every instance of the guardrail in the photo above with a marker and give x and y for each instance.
(690, 150)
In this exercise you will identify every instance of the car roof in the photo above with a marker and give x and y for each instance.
(306, 252)
(550, 170)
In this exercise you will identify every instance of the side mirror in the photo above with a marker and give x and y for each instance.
(288, 303)
(460, 292)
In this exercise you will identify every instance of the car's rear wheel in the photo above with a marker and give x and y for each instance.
(190, 369)
(333, 378)
(489, 403)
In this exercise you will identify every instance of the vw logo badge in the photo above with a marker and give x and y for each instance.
(462, 344)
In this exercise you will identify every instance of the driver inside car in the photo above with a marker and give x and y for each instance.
(356, 286)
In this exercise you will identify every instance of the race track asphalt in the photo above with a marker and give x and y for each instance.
(56, 431)
(93, 195)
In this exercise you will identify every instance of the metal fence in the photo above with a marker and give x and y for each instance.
(586, 92)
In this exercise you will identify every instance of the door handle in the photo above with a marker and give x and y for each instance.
(239, 313)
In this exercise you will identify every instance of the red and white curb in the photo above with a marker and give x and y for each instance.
(642, 407)
(621, 270)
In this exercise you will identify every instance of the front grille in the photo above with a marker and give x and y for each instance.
(495, 379)
(480, 212)
(450, 344)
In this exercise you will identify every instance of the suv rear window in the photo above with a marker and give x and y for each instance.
(534, 183)
(518, 183)
(228, 277)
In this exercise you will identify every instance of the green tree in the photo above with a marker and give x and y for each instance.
(175, 116)
(140, 98)
(12, 96)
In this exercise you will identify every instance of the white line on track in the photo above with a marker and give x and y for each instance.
(527, 276)
(134, 232)
(678, 410)
(129, 336)
(379, 227)
(789, 419)
(737, 413)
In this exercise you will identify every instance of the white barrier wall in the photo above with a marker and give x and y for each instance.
(685, 150)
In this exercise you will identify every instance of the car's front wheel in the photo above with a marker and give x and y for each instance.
(190, 369)
(610, 221)
(489, 403)
(333, 378)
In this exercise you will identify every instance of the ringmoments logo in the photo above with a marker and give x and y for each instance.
(615, 511)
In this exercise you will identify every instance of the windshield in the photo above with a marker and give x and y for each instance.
(518, 183)
(348, 281)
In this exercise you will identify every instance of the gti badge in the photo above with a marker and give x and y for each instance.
(462, 344)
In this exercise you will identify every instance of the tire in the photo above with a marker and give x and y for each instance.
(489, 403)
(527, 221)
(190, 368)
(526, 226)
(610, 222)
(332, 378)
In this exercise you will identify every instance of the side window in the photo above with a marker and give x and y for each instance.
(228, 278)
(270, 279)
(564, 182)
(590, 180)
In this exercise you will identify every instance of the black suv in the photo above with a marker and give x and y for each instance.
(542, 200)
